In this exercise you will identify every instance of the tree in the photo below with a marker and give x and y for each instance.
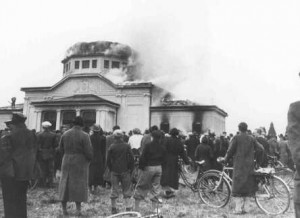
(272, 132)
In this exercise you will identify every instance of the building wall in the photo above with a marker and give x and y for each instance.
(132, 113)
(214, 122)
(182, 120)
(98, 69)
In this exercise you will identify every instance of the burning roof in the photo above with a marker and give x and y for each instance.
(105, 48)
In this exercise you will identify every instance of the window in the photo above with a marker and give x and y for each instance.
(68, 117)
(115, 64)
(94, 63)
(85, 64)
(51, 117)
(197, 127)
(106, 64)
(165, 126)
(77, 63)
(89, 118)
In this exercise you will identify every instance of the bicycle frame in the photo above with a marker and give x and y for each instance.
(192, 186)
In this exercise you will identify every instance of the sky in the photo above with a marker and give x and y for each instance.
(243, 56)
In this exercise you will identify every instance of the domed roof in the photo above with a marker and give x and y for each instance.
(105, 48)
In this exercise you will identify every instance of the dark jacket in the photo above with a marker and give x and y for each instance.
(46, 145)
(78, 152)
(170, 169)
(204, 152)
(153, 154)
(191, 145)
(24, 152)
(242, 148)
(120, 157)
(261, 140)
(293, 131)
(97, 165)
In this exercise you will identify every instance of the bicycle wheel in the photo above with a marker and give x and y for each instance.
(285, 173)
(273, 195)
(214, 191)
(125, 215)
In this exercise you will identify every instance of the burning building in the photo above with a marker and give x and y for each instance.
(102, 83)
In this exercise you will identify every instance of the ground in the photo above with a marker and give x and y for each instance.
(43, 203)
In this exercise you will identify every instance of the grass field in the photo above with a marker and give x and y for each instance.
(43, 203)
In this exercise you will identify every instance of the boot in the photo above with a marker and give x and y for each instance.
(114, 206)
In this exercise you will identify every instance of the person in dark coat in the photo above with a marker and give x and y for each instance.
(120, 162)
(241, 149)
(78, 152)
(46, 153)
(261, 140)
(170, 169)
(97, 165)
(204, 152)
(109, 141)
(191, 144)
(23, 154)
(293, 132)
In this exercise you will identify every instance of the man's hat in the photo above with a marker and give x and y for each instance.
(46, 124)
(18, 117)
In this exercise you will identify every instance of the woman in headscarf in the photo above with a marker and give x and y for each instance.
(170, 169)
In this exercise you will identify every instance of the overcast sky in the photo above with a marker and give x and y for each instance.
(243, 56)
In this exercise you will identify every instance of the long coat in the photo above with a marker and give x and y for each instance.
(170, 169)
(242, 148)
(97, 165)
(78, 153)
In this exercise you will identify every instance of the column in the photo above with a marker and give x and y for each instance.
(38, 120)
(103, 119)
(77, 112)
(98, 116)
(58, 114)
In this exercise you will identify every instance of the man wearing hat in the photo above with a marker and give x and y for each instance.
(46, 150)
(14, 189)
(78, 152)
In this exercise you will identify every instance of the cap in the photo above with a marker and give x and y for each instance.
(18, 117)
(46, 124)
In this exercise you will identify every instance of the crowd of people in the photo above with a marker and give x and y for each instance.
(87, 159)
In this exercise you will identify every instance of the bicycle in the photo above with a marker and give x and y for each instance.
(202, 184)
(272, 196)
(282, 171)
